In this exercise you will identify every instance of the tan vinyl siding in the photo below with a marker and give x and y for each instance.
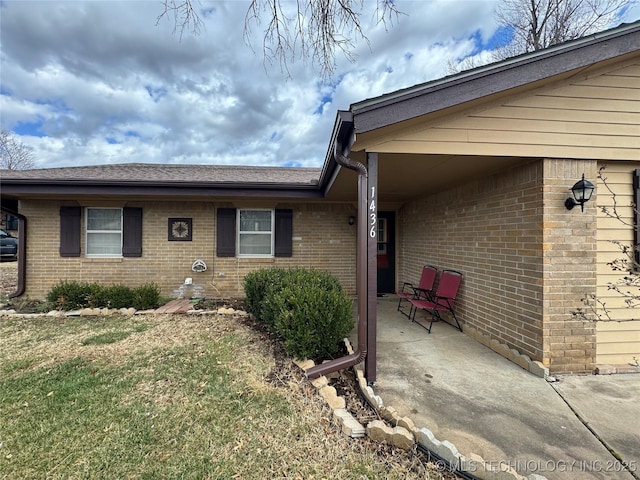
(617, 340)
(595, 116)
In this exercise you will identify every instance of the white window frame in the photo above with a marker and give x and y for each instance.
(87, 232)
(240, 233)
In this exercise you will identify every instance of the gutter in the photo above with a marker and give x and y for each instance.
(22, 255)
(361, 274)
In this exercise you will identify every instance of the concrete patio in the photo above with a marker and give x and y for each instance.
(486, 405)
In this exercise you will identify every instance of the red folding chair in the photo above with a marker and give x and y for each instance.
(443, 300)
(423, 290)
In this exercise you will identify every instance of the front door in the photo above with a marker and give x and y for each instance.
(386, 252)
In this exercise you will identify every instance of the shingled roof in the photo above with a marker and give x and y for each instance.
(141, 172)
(147, 180)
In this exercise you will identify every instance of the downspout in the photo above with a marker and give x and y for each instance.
(22, 255)
(361, 274)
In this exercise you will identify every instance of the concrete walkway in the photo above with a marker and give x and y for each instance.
(486, 405)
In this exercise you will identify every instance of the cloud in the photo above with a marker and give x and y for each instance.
(95, 82)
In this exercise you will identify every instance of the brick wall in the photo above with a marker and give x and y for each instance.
(570, 252)
(322, 239)
(527, 261)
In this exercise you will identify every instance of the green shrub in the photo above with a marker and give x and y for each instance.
(258, 286)
(306, 308)
(73, 295)
(68, 295)
(118, 296)
(146, 296)
(96, 296)
(312, 320)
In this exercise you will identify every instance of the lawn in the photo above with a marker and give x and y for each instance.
(169, 396)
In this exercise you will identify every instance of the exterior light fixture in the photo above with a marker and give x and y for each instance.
(582, 192)
(352, 220)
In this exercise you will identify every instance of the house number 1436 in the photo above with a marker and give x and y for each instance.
(372, 214)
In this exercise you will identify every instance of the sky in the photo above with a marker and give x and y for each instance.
(105, 82)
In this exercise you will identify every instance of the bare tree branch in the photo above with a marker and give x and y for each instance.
(627, 287)
(184, 14)
(538, 24)
(310, 30)
(15, 154)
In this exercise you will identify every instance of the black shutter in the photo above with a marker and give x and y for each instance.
(70, 231)
(284, 233)
(226, 232)
(636, 217)
(131, 232)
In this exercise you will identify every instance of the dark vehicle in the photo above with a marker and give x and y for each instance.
(8, 246)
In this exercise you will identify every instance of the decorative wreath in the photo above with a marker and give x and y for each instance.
(180, 229)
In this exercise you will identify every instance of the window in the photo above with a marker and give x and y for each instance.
(255, 233)
(130, 243)
(278, 237)
(382, 236)
(103, 232)
(12, 222)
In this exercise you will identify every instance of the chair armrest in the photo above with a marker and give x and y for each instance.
(409, 285)
(422, 293)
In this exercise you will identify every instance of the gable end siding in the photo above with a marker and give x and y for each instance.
(617, 341)
(585, 117)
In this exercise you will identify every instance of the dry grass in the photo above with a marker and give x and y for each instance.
(169, 397)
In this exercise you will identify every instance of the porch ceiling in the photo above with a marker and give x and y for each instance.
(402, 177)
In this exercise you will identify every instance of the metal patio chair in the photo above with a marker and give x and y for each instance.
(422, 291)
(442, 301)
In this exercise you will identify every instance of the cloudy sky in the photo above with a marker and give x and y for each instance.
(97, 82)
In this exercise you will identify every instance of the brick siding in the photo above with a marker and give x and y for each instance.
(527, 261)
(322, 239)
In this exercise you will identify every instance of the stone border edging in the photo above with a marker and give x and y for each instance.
(128, 312)
(404, 434)
(533, 366)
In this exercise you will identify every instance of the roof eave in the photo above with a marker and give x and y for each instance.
(342, 134)
(484, 81)
(59, 188)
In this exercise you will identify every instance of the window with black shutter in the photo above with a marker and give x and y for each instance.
(131, 232)
(70, 223)
(254, 233)
(111, 232)
(284, 233)
(226, 232)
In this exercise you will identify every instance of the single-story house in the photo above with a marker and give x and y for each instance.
(470, 172)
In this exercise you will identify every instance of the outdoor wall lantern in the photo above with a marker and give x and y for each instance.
(352, 220)
(582, 192)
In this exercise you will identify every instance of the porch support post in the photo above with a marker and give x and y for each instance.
(372, 267)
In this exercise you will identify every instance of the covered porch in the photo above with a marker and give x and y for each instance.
(484, 404)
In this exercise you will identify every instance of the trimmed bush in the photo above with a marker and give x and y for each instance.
(118, 296)
(306, 308)
(313, 320)
(258, 285)
(68, 295)
(146, 296)
(72, 295)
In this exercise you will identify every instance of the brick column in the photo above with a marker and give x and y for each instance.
(569, 268)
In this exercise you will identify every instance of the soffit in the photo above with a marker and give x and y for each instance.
(402, 177)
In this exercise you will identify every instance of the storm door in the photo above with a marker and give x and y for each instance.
(386, 252)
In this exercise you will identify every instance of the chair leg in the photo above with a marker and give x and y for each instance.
(402, 311)
(456, 319)
(415, 310)
(434, 315)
